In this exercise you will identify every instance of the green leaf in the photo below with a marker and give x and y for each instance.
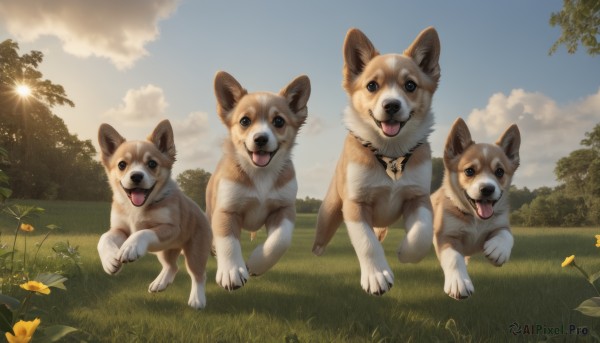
(594, 277)
(590, 307)
(5, 192)
(10, 302)
(56, 332)
(52, 227)
(52, 280)
(6, 317)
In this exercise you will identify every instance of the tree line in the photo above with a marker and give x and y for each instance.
(41, 159)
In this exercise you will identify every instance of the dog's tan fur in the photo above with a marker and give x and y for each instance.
(167, 221)
(463, 227)
(367, 196)
(244, 194)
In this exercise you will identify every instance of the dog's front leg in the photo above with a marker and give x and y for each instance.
(108, 249)
(280, 226)
(231, 269)
(418, 221)
(376, 276)
(457, 283)
(498, 246)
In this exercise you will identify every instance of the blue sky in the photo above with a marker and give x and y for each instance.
(132, 63)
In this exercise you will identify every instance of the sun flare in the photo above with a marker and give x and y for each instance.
(23, 90)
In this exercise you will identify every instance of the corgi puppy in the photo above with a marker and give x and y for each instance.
(149, 213)
(254, 184)
(384, 171)
(471, 208)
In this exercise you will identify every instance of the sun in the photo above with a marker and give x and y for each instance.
(23, 90)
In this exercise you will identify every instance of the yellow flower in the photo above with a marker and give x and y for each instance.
(597, 241)
(23, 331)
(26, 227)
(569, 260)
(35, 286)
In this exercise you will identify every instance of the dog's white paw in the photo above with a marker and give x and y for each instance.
(130, 251)
(110, 263)
(232, 272)
(197, 297)
(136, 245)
(108, 251)
(498, 248)
(231, 275)
(377, 280)
(458, 286)
(163, 280)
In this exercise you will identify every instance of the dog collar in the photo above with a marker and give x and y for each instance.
(394, 166)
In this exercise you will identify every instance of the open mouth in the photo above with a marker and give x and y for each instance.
(261, 158)
(483, 207)
(138, 196)
(391, 127)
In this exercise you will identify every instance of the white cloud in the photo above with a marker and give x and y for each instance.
(113, 29)
(145, 103)
(313, 126)
(197, 146)
(549, 130)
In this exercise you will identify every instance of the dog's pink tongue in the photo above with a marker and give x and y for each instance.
(390, 128)
(261, 158)
(138, 197)
(484, 209)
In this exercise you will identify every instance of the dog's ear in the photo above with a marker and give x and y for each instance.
(109, 140)
(297, 94)
(425, 51)
(358, 51)
(162, 138)
(458, 141)
(510, 142)
(228, 92)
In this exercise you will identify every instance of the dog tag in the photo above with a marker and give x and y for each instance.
(391, 166)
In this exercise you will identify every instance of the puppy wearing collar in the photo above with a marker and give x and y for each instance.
(384, 171)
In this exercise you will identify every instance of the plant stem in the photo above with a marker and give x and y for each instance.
(38, 250)
(587, 277)
(25, 255)
(23, 309)
(12, 257)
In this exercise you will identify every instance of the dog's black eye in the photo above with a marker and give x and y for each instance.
(410, 86)
(499, 172)
(152, 164)
(278, 122)
(122, 165)
(372, 86)
(469, 172)
(245, 122)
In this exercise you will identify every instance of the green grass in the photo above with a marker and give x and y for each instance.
(319, 299)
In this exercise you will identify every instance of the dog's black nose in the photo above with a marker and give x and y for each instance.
(261, 139)
(137, 177)
(391, 106)
(487, 190)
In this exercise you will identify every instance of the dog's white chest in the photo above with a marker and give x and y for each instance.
(385, 195)
(255, 203)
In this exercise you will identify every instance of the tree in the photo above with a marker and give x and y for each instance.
(520, 197)
(44, 161)
(580, 174)
(193, 183)
(580, 22)
(308, 205)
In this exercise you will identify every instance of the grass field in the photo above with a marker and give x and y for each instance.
(318, 299)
